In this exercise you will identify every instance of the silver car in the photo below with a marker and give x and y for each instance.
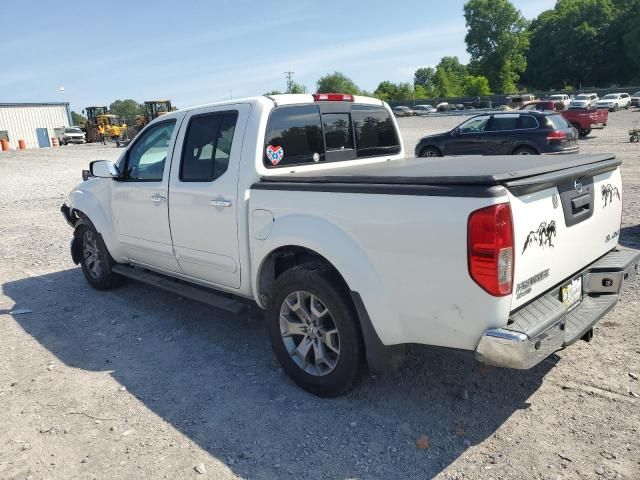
(73, 135)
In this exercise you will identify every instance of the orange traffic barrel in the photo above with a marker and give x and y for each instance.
(54, 142)
(22, 144)
(4, 143)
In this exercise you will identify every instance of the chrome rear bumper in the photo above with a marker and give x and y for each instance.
(544, 326)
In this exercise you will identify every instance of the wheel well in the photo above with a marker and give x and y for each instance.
(283, 259)
(525, 147)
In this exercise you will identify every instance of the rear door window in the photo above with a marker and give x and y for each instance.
(294, 136)
(503, 122)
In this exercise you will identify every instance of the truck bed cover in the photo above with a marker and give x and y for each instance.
(520, 173)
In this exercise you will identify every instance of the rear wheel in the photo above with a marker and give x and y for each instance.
(584, 132)
(96, 262)
(430, 152)
(525, 151)
(314, 330)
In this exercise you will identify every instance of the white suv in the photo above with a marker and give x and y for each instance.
(615, 101)
(585, 100)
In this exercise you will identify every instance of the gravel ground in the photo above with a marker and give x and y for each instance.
(137, 383)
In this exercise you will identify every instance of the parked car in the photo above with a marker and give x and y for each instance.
(72, 135)
(585, 120)
(518, 133)
(306, 205)
(543, 105)
(635, 100)
(518, 101)
(585, 100)
(403, 111)
(561, 97)
(614, 101)
(422, 110)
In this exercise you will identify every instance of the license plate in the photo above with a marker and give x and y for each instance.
(572, 293)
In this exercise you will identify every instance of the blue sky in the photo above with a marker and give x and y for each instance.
(202, 51)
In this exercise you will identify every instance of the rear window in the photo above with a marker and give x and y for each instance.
(300, 135)
(557, 122)
(503, 122)
(375, 131)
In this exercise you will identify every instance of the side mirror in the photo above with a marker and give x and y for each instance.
(104, 169)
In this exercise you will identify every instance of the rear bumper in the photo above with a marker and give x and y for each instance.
(544, 326)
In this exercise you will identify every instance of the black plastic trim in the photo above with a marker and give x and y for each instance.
(469, 191)
(380, 357)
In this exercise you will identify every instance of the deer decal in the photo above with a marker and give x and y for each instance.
(542, 236)
(608, 192)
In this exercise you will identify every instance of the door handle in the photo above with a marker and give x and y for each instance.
(221, 203)
(158, 199)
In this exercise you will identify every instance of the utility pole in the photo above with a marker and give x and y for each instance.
(289, 81)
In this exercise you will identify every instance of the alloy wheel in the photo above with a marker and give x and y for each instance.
(309, 333)
(91, 253)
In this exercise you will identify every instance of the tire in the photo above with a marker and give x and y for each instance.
(298, 353)
(96, 262)
(584, 132)
(430, 152)
(525, 151)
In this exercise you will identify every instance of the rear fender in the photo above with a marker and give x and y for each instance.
(344, 254)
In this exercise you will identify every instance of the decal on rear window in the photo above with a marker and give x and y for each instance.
(274, 154)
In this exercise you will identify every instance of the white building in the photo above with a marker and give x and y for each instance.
(32, 122)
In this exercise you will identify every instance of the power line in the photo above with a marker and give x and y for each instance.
(289, 81)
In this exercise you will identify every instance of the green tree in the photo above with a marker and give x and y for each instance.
(77, 119)
(449, 78)
(582, 42)
(476, 86)
(337, 82)
(497, 41)
(420, 92)
(274, 92)
(425, 78)
(126, 109)
(298, 88)
(394, 91)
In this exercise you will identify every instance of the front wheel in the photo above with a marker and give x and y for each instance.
(314, 330)
(584, 132)
(96, 262)
(430, 152)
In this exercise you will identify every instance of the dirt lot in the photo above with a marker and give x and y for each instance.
(137, 383)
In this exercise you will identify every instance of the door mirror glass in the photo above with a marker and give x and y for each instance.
(104, 169)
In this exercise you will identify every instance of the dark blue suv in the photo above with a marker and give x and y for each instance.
(504, 133)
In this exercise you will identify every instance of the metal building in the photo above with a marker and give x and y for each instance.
(35, 123)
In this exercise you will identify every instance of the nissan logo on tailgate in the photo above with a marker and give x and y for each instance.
(578, 186)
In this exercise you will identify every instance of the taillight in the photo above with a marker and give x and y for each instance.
(557, 135)
(490, 248)
(333, 97)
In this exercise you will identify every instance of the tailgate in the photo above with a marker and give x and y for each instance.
(562, 228)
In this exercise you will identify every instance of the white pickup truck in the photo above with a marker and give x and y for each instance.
(306, 204)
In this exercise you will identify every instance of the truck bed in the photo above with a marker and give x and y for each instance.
(520, 173)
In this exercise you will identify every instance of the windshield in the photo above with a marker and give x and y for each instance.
(611, 96)
(556, 97)
(582, 97)
(72, 130)
(637, 94)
